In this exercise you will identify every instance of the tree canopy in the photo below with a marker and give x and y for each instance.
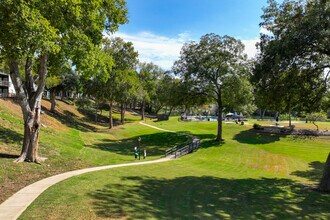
(292, 69)
(31, 30)
(209, 65)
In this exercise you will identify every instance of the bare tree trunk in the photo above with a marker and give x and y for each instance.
(122, 113)
(110, 115)
(325, 181)
(31, 136)
(62, 94)
(219, 133)
(171, 109)
(263, 114)
(29, 94)
(96, 110)
(143, 106)
(158, 108)
(290, 121)
(52, 99)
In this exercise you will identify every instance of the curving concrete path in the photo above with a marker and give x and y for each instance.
(161, 129)
(13, 207)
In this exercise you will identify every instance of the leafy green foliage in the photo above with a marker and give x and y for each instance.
(291, 72)
(31, 31)
(272, 172)
(211, 66)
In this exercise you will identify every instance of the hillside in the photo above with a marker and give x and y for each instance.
(70, 140)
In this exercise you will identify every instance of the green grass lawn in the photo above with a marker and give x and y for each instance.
(248, 176)
(70, 142)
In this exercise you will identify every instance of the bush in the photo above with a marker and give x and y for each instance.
(257, 127)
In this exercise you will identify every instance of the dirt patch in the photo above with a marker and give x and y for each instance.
(11, 106)
(270, 162)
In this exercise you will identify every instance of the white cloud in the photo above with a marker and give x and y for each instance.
(160, 50)
(250, 47)
(264, 31)
(163, 50)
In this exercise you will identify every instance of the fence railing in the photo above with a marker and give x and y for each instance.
(179, 151)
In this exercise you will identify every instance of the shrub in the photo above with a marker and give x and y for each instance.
(257, 127)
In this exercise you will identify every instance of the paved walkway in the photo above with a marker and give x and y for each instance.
(161, 129)
(13, 207)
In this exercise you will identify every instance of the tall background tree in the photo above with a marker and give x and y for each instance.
(292, 69)
(208, 66)
(31, 30)
(149, 74)
(122, 83)
(294, 58)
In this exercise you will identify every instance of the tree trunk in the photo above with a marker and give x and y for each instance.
(96, 108)
(31, 137)
(263, 114)
(29, 94)
(325, 181)
(290, 121)
(219, 133)
(122, 113)
(171, 109)
(62, 94)
(158, 109)
(110, 115)
(143, 106)
(52, 99)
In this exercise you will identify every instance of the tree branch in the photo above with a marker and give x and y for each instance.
(42, 73)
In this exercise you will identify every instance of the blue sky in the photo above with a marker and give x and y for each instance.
(158, 28)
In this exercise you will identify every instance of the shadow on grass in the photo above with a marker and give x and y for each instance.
(251, 136)
(8, 156)
(9, 136)
(69, 119)
(314, 173)
(156, 143)
(90, 117)
(208, 197)
(211, 143)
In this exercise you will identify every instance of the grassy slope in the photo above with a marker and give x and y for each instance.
(249, 176)
(69, 141)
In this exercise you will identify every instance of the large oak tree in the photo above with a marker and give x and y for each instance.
(210, 67)
(294, 61)
(32, 30)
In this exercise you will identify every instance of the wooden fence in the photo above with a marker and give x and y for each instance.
(179, 151)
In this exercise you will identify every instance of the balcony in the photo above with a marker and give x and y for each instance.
(6, 95)
(4, 83)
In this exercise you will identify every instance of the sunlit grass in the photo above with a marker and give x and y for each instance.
(248, 176)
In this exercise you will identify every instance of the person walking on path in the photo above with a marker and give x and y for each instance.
(144, 153)
(136, 153)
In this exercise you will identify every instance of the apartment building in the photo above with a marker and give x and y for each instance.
(6, 86)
